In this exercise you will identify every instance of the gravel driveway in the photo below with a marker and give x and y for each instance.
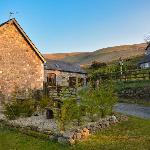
(133, 109)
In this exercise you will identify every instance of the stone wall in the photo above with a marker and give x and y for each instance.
(135, 93)
(20, 66)
(62, 78)
(48, 127)
(84, 132)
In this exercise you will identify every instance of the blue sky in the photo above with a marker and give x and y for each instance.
(57, 26)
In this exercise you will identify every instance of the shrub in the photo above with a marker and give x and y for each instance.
(97, 65)
(87, 100)
(44, 102)
(19, 108)
(98, 101)
(66, 113)
(22, 103)
(105, 98)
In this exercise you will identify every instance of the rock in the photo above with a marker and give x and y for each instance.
(53, 137)
(47, 131)
(107, 123)
(88, 133)
(71, 141)
(68, 134)
(85, 135)
(62, 132)
(114, 119)
(74, 136)
(85, 129)
(78, 136)
(82, 132)
(62, 140)
(34, 128)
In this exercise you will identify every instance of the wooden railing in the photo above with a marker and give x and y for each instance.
(131, 75)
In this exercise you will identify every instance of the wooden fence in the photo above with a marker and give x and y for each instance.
(131, 75)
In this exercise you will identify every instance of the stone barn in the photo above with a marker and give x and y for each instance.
(60, 73)
(21, 64)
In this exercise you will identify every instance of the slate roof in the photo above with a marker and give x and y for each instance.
(145, 59)
(63, 66)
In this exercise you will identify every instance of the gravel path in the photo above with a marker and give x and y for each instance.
(133, 109)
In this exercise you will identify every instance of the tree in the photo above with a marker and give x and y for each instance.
(98, 101)
(105, 98)
(147, 39)
(87, 99)
(66, 113)
(96, 65)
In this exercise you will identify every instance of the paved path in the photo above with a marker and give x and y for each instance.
(133, 109)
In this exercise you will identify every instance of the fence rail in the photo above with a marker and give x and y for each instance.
(131, 75)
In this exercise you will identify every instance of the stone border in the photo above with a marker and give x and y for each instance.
(84, 132)
(69, 137)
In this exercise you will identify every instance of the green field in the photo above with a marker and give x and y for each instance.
(131, 135)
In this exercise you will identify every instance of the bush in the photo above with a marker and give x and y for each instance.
(20, 108)
(22, 104)
(67, 112)
(98, 101)
(106, 98)
(97, 65)
(44, 102)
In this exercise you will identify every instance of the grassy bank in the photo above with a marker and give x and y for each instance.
(131, 135)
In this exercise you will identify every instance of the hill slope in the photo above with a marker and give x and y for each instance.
(103, 55)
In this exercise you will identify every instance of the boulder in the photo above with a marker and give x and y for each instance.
(78, 136)
(68, 134)
(71, 141)
(62, 140)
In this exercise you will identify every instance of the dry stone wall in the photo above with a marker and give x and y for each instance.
(135, 93)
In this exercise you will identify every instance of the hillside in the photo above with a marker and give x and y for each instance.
(60, 56)
(103, 55)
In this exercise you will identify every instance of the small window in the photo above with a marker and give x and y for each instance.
(80, 81)
(72, 81)
(57, 65)
(146, 65)
(51, 79)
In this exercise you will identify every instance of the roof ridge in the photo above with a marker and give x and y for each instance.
(7, 21)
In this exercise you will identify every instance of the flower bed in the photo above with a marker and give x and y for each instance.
(46, 127)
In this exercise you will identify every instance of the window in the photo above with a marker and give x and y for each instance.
(146, 65)
(80, 81)
(72, 81)
(51, 79)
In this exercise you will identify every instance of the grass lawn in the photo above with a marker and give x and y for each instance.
(131, 135)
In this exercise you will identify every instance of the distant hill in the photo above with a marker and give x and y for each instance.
(108, 54)
(60, 56)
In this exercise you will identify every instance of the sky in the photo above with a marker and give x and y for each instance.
(57, 26)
